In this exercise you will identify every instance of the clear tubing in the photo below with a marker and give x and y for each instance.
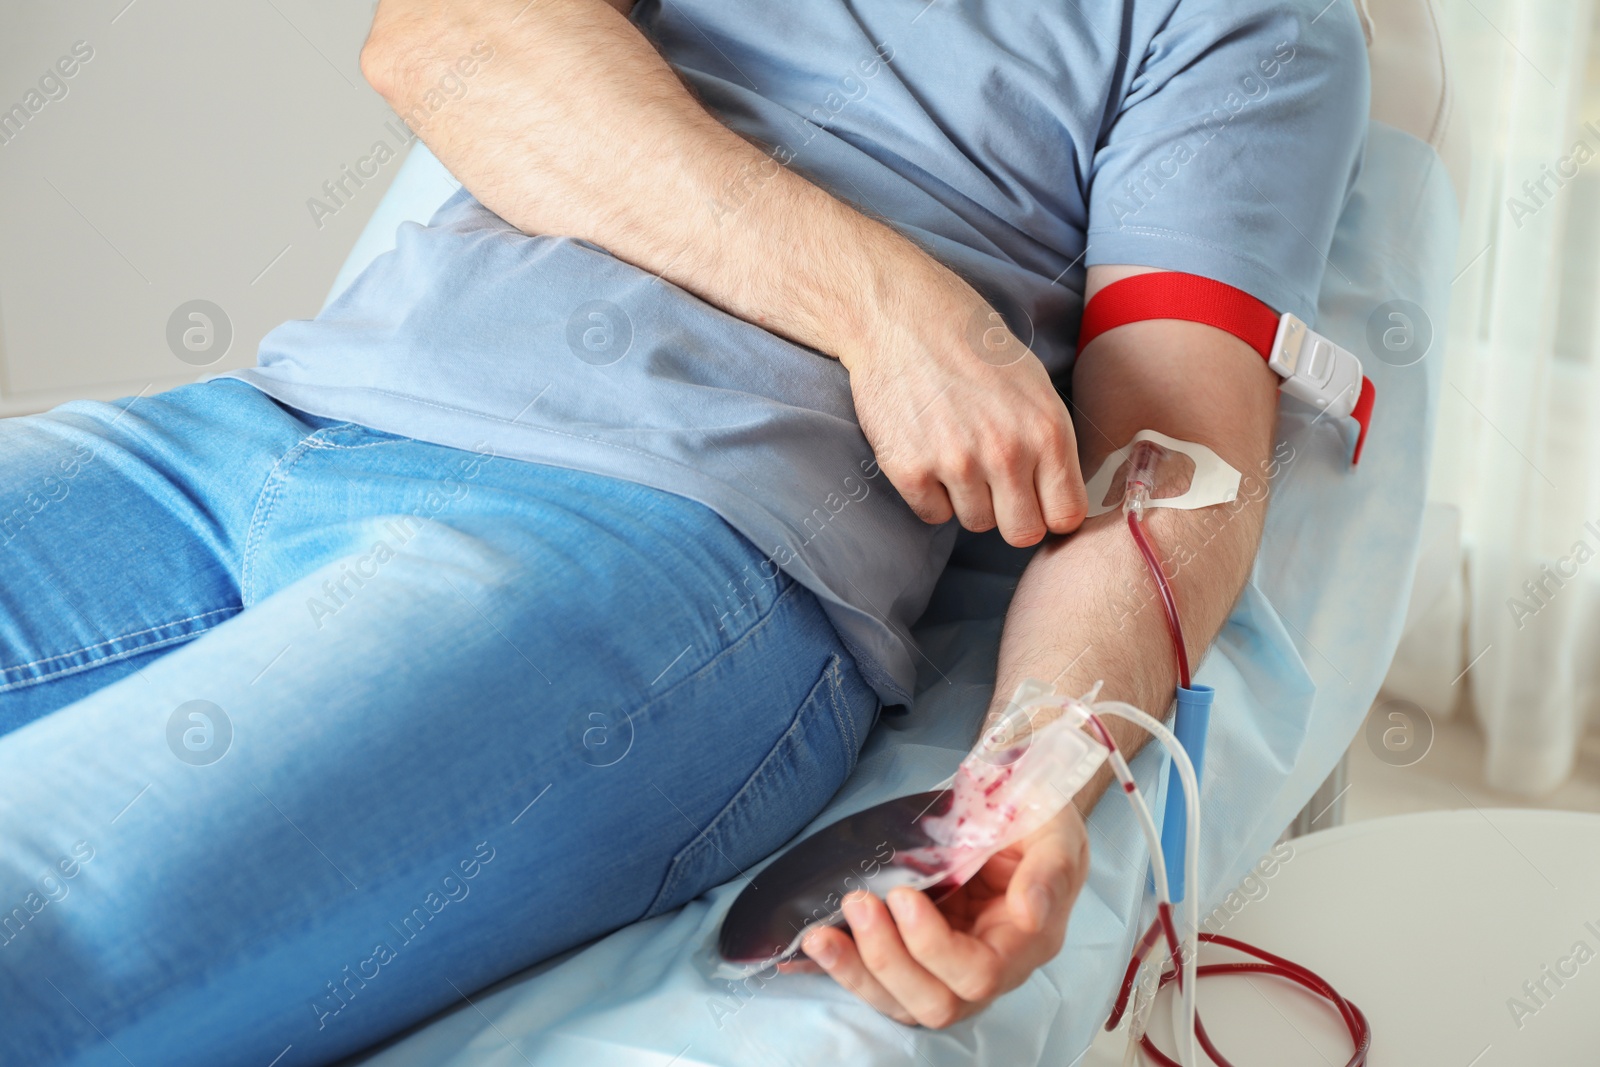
(1138, 484)
(1124, 1000)
(1136, 1020)
(1169, 603)
(1141, 812)
(1163, 923)
(1189, 1053)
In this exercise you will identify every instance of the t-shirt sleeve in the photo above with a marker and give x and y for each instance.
(1235, 147)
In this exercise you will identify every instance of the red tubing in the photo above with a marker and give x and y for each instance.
(1174, 952)
(1278, 967)
(1275, 966)
(1168, 601)
(1355, 1022)
(1163, 924)
(1146, 943)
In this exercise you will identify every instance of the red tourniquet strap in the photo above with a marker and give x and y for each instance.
(1172, 295)
(1363, 416)
(1191, 298)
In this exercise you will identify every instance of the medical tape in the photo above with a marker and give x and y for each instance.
(1214, 482)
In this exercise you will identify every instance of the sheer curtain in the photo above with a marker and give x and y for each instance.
(1506, 620)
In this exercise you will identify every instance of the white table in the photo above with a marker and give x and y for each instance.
(1431, 924)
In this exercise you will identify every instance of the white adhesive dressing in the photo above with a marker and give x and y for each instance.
(1214, 481)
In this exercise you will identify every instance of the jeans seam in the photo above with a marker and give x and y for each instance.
(267, 502)
(109, 641)
(334, 445)
(841, 717)
(79, 668)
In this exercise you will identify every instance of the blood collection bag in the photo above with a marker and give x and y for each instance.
(1017, 778)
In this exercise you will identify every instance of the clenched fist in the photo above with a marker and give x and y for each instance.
(965, 422)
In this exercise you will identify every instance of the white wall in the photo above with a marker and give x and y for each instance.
(176, 167)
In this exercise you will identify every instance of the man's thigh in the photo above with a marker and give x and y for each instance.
(120, 529)
(532, 719)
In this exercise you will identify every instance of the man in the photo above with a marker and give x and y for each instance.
(583, 490)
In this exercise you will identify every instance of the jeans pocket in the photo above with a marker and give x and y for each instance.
(791, 784)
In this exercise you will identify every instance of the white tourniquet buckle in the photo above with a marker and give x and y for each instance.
(1314, 369)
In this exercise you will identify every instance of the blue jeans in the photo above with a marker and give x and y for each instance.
(308, 731)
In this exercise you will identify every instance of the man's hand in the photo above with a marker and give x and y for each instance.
(965, 422)
(934, 965)
(577, 127)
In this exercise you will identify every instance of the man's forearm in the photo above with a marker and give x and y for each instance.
(578, 127)
(1086, 609)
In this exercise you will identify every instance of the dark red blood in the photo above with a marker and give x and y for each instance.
(805, 883)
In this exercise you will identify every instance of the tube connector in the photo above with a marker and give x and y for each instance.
(1141, 478)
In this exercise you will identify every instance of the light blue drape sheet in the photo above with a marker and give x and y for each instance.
(1295, 670)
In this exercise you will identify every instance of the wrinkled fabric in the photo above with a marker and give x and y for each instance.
(1019, 143)
(308, 730)
(1295, 669)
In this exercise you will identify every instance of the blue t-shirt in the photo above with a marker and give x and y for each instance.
(1019, 142)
